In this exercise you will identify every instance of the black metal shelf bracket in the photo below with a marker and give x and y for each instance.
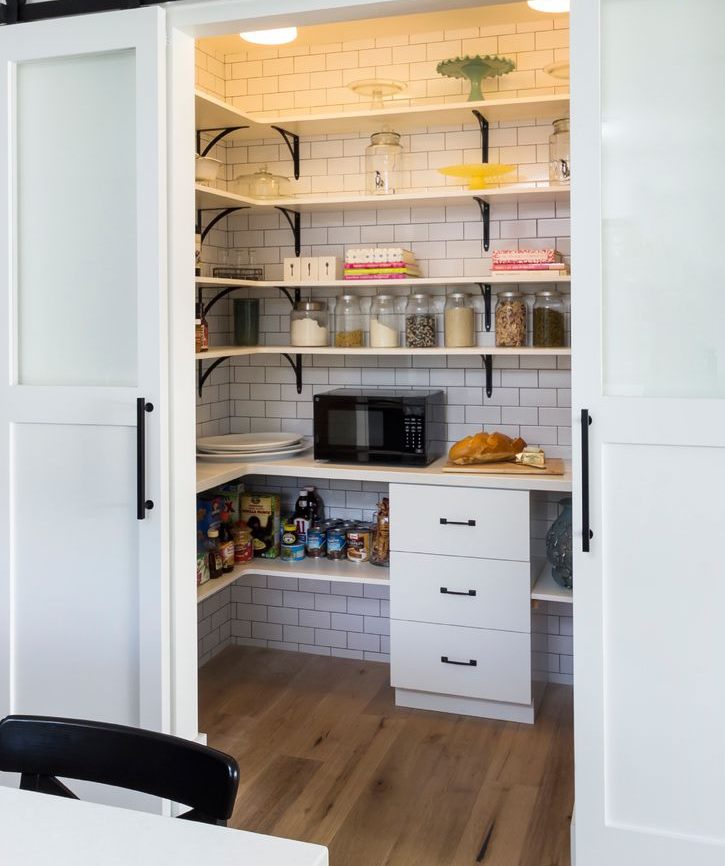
(222, 132)
(488, 364)
(296, 365)
(220, 216)
(293, 300)
(293, 218)
(485, 209)
(483, 124)
(293, 144)
(486, 292)
(203, 375)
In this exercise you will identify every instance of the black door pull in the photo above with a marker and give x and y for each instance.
(471, 663)
(587, 534)
(446, 591)
(142, 503)
(446, 522)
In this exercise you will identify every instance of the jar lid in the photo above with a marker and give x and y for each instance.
(548, 293)
(561, 122)
(384, 298)
(347, 298)
(459, 295)
(419, 296)
(310, 306)
(510, 293)
(385, 136)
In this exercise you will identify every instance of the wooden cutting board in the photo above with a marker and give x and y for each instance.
(554, 466)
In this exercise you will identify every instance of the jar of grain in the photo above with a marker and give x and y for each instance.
(384, 323)
(420, 323)
(459, 320)
(309, 324)
(349, 330)
(549, 320)
(510, 319)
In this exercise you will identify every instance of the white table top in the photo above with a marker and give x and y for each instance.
(42, 829)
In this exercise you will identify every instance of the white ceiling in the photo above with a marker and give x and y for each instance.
(452, 18)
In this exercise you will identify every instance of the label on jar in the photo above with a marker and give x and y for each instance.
(227, 549)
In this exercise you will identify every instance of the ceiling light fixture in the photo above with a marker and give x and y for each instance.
(281, 36)
(549, 5)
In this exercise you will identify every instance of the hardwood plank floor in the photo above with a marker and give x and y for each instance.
(327, 757)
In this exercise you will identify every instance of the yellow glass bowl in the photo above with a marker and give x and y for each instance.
(479, 176)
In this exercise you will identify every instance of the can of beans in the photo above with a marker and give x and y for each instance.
(358, 544)
(336, 543)
(316, 541)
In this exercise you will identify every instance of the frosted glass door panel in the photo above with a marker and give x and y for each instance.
(76, 581)
(77, 224)
(663, 185)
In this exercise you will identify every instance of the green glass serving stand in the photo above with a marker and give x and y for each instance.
(475, 69)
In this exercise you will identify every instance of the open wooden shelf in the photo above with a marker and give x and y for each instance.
(211, 198)
(410, 282)
(308, 569)
(214, 113)
(438, 351)
(546, 588)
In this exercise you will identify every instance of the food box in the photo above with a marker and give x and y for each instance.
(231, 493)
(202, 568)
(260, 513)
(209, 512)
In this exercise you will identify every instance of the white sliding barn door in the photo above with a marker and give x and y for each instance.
(84, 583)
(649, 366)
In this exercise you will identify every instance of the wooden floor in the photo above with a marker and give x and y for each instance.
(326, 757)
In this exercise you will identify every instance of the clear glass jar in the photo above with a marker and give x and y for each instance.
(559, 152)
(459, 321)
(549, 320)
(385, 323)
(310, 324)
(383, 163)
(420, 323)
(349, 323)
(510, 319)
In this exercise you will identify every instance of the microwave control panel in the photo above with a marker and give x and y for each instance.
(413, 434)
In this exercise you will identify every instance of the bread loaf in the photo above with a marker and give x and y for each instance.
(485, 448)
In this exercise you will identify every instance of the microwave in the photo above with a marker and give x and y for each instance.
(376, 426)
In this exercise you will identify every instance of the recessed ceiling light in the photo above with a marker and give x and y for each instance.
(549, 5)
(281, 36)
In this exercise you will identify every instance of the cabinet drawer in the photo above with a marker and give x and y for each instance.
(453, 660)
(460, 521)
(483, 593)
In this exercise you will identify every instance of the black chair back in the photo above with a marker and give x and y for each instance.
(41, 748)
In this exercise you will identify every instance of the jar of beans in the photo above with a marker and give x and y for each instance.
(549, 320)
(420, 323)
(510, 319)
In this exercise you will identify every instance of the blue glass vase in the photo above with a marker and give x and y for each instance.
(559, 545)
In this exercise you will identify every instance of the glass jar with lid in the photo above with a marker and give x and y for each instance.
(385, 323)
(309, 324)
(459, 321)
(559, 152)
(383, 163)
(420, 323)
(349, 323)
(510, 319)
(549, 320)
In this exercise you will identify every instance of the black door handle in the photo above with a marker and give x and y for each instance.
(446, 522)
(142, 503)
(587, 533)
(446, 591)
(471, 663)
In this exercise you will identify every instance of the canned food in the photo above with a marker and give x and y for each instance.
(316, 541)
(336, 543)
(292, 552)
(358, 544)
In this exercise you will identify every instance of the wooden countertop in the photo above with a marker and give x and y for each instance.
(209, 475)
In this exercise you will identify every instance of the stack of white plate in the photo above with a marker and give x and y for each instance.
(250, 446)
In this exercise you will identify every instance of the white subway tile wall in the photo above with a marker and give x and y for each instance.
(531, 396)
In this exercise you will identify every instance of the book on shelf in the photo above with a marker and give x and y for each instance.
(557, 267)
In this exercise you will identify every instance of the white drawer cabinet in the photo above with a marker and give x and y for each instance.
(460, 521)
(454, 660)
(480, 593)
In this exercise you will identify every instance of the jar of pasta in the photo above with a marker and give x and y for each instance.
(510, 319)
(349, 329)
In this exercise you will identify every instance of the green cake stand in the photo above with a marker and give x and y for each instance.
(475, 69)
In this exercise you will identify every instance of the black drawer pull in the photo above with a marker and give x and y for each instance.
(446, 522)
(471, 663)
(142, 503)
(446, 591)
